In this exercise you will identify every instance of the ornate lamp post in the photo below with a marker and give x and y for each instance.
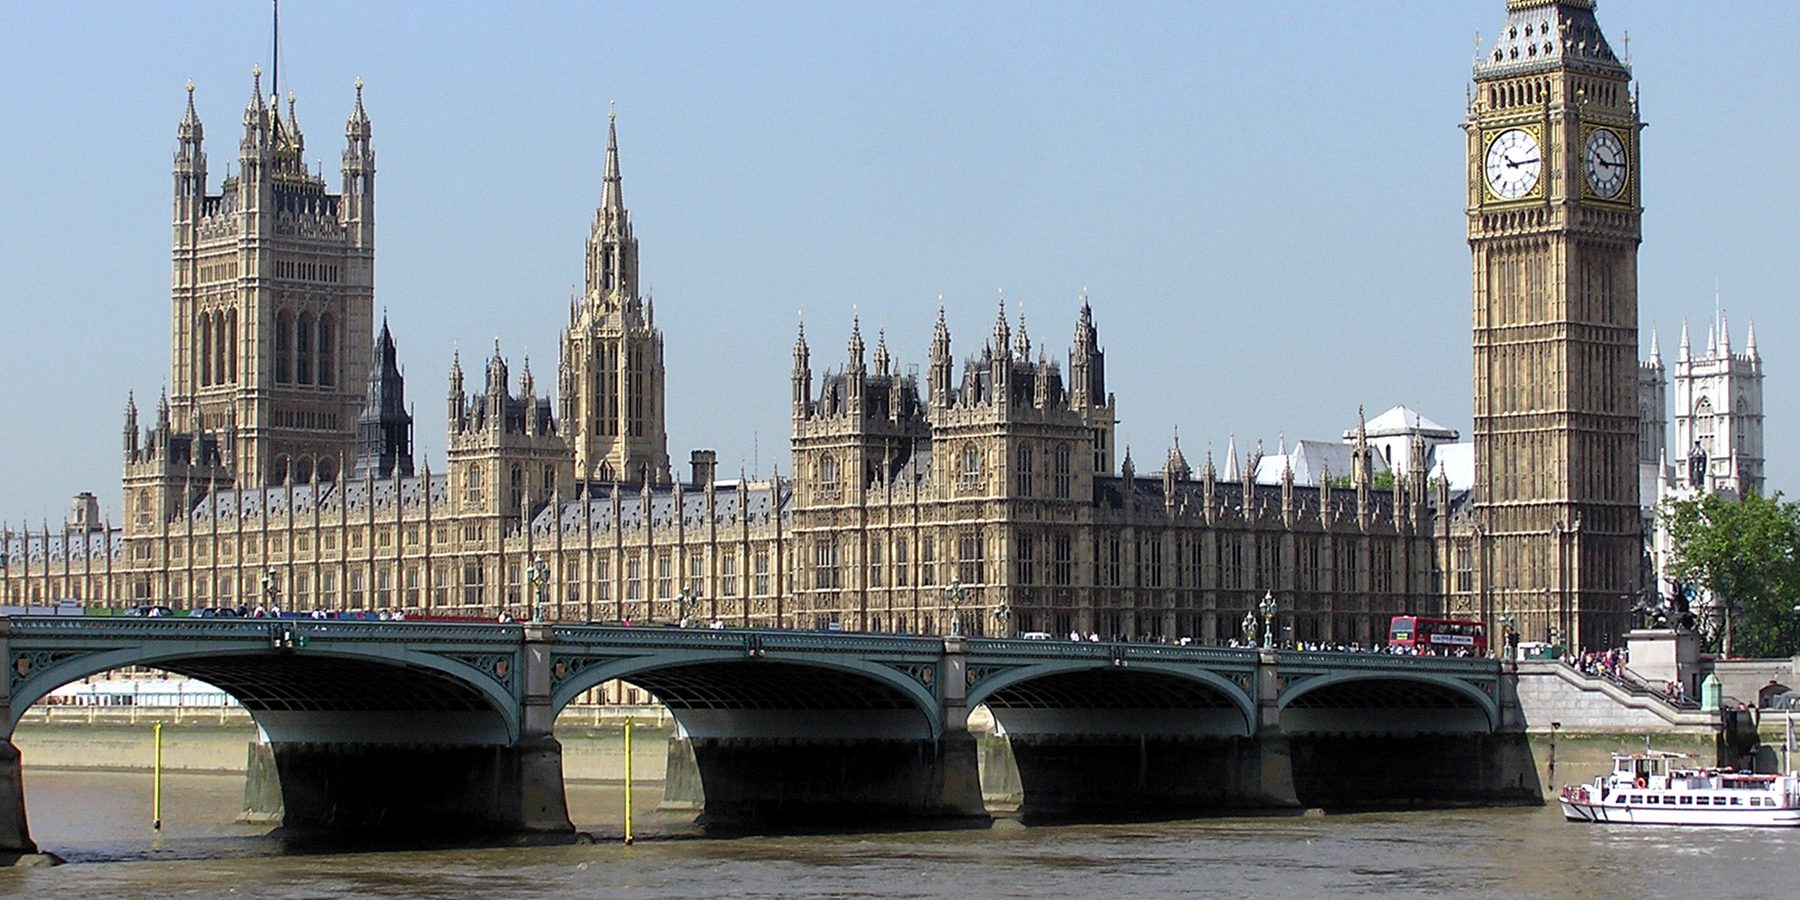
(953, 595)
(271, 590)
(1002, 615)
(1507, 631)
(539, 575)
(1268, 613)
(684, 602)
(1249, 625)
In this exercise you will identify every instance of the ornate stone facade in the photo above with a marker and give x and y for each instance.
(258, 483)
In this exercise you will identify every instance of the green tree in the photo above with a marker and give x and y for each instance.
(1383, 481)
(1747, 554)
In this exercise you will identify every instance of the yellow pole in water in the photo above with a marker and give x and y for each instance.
(627, 780)
(156, 781)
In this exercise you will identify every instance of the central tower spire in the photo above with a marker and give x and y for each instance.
(611, 369)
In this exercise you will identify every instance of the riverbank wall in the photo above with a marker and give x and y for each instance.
(590, 752)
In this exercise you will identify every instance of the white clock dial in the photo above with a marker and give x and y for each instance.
(1513, 164)
(1604, 160)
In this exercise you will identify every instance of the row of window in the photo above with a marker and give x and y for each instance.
(306, 348)
(1041, 558)
(828, 474)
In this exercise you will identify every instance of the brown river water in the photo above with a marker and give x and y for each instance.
(99, 822)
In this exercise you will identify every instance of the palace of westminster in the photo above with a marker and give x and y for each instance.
(279, 469)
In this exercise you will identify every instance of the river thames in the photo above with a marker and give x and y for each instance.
(98, 821)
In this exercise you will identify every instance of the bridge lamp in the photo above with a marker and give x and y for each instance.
(1507, 630)
(1249, 625)
(953, 596)
(1268, 613)
(540, 587)
(271, 588)
(1002, 613)
(684, 602)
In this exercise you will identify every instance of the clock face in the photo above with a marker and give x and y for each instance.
(1604, 160)
(1513, 164)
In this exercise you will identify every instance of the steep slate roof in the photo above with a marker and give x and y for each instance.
(1540, 35)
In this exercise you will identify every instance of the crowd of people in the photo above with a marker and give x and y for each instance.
(1608, 664)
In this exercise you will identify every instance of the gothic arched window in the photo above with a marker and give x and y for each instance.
(1703, 425)
(1023, 476)
(303, 357)
(203, 338)
(1059, 483)
(284, 347)
(828, 473)
(231, 347)
(327, 351)
(971, 467)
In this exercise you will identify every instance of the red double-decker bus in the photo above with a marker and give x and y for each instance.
(1439, 636)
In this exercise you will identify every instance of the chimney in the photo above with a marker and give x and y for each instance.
(705, 464)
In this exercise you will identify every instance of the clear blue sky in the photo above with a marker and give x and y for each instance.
(1263, 200)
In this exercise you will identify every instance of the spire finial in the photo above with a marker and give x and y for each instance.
(612, 110)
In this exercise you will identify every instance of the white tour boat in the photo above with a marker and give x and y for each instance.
(1657, 788)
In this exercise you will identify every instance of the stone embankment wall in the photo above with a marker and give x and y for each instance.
(1551, 692)
(589, 753)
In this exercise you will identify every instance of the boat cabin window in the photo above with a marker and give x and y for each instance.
(1737, 801)
(1687, 801)
(1622, 765)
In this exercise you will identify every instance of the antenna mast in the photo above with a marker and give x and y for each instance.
(275, 66)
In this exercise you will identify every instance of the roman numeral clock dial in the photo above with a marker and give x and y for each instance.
(1513, 164)
(1604, 160)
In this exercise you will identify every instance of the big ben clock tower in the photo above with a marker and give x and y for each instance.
(1554, 227)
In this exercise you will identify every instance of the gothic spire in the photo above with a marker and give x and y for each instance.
(612, 197)
(1750, 340)
(1655, 349)
(190, 130)
(1682, 354)
(881, 352)
(856, 342)
(1002, 335)
(255, 122)
(357, 128)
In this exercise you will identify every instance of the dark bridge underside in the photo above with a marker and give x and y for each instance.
(323, 699)
(760, 700)
(367, 745)
(1384, 706)
(1115, 701)
(1122, 743)
(778, 744)
(1395, 743)
(765, 685)
(316, 683)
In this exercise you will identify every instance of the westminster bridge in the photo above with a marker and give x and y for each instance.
(430, 726)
